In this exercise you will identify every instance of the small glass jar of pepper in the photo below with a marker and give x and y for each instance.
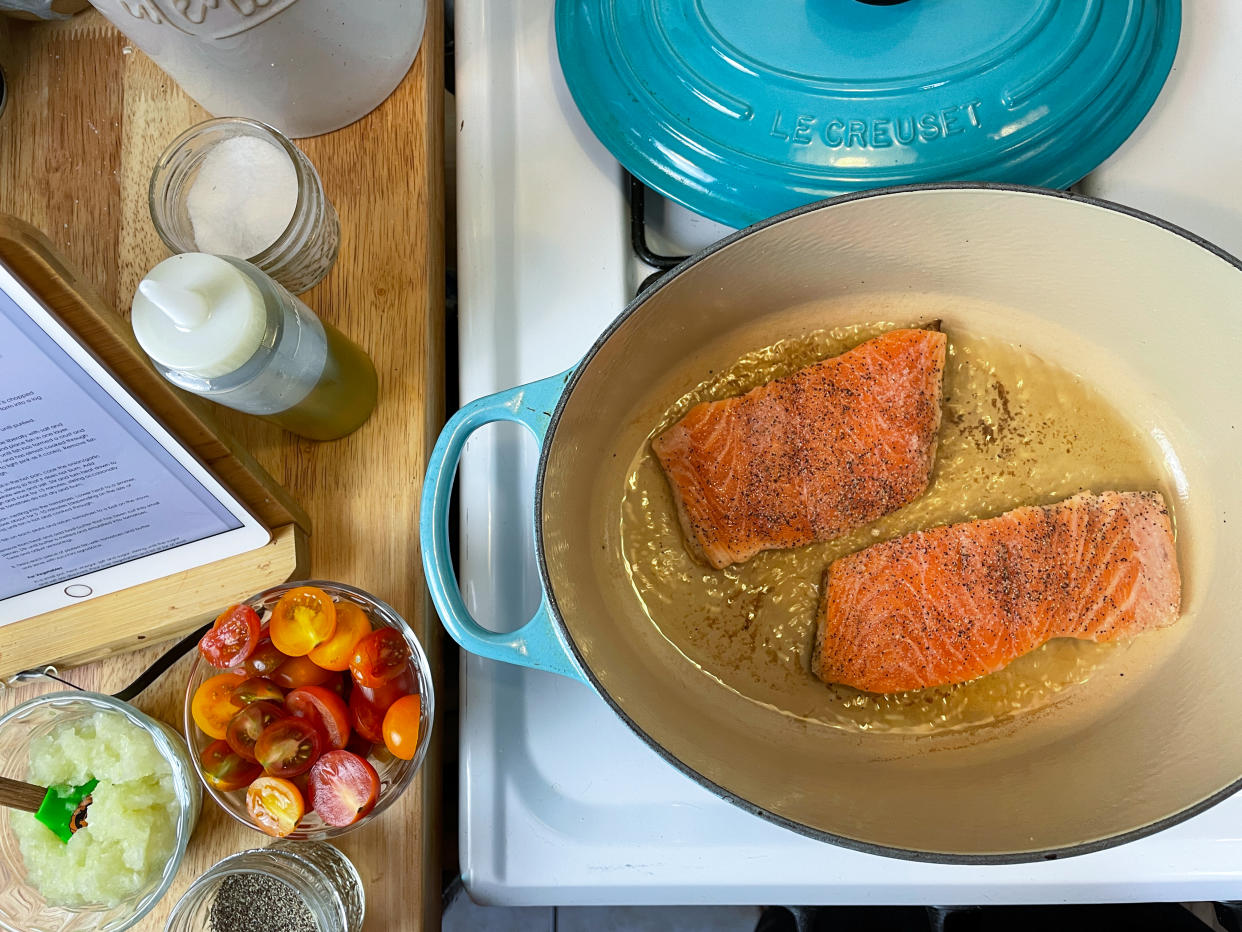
(296, 886)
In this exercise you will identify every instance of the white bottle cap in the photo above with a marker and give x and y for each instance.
(199, 314)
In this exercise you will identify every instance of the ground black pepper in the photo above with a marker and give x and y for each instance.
(258, 903)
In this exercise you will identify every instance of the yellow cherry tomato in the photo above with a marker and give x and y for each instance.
(214, 705)
(302, 620)
(401, 726)
(352, 625)
(275, 804)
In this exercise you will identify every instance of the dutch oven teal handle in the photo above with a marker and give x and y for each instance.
(538, 643)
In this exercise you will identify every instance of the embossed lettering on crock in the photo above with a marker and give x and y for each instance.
(206, 19)
(143, 9)
(880, 132)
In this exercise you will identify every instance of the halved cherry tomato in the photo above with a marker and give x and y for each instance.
(276, 805)
(257, 689)
(265, 659)
(367, 720)
(300, 671)
(325, 710)
(246, 726)
(226, 770)
(343, 787)
(359, 745)
(379, 658)
(303, 619)
(213, 703)
(302, 782)
(401, 726)
(383, 696)
(288, 747)
(352, 625)
(232, 638)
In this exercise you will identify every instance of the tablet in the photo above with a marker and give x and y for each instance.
(95, 496)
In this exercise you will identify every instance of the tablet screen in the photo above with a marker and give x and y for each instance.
(83, 486)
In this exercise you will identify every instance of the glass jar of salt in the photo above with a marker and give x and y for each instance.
(219, 327)
(286, 887)
(235, 187)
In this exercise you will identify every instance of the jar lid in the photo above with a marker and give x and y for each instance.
(741, 109)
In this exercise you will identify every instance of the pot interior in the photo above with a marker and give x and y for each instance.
(1144, 315)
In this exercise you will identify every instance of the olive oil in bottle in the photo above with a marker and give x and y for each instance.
(221, 328)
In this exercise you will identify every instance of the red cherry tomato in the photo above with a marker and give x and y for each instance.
(288, 747)
(343, 787)
(325, 710)
(225, 769)
(380, 657)
(232, 638)
(358, 744)
(276, 805)
(383, 696)
(265, 659)
(301, 781)
(257, 689)
(246, 726)
(300, 671)
(368, 721)
(401, 726)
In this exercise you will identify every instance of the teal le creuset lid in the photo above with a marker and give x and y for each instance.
(740, 109)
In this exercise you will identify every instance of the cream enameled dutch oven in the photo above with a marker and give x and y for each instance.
(1148, 313)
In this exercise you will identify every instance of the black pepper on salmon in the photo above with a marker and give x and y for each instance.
(810, 456)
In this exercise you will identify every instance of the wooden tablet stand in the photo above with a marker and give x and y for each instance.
(167, 607)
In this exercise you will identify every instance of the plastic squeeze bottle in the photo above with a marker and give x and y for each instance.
(223, 329)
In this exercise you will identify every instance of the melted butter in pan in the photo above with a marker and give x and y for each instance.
(1015, 431)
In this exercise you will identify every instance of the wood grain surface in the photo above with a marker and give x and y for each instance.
(87, 116)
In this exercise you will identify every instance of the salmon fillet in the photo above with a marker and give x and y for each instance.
(953, 603)
(809, 456)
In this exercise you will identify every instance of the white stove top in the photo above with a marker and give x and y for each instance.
(560, 803)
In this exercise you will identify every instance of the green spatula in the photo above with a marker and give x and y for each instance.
(62, 808)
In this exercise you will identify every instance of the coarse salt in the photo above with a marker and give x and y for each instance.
(242, 198)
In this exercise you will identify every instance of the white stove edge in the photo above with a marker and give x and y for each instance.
(560, 803)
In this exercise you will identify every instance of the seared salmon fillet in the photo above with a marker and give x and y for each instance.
(809, 456)
(952, 603)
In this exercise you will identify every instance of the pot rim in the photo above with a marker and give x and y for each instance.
(908, 854)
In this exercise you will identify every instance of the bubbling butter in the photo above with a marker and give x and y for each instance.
(1016, 430)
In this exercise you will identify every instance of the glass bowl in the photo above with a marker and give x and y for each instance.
(328, 883)
(22, 907)
(395, 774)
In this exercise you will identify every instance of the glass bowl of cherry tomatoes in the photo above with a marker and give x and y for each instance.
(309, 709)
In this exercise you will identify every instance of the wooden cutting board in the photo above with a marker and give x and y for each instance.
(86, 118)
